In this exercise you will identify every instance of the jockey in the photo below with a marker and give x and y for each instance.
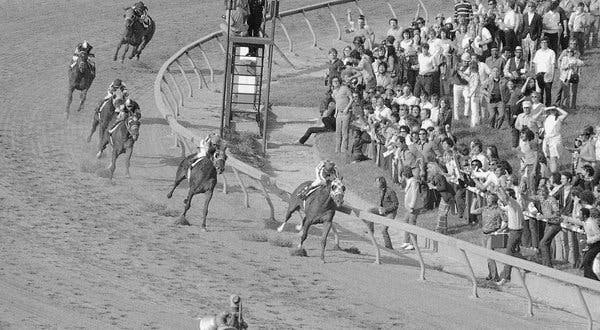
(83, 47)
(325, 171)
(130, 108)
(207, 147)
(141, 12)
(116, 85)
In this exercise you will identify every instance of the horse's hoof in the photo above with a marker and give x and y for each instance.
(280, 228)
(203, 229)
(182, 222)
(298, 227)
(185, 201)
(377, 262)
(169, 195)
(323, 260)
(99, 154)
(128, 176)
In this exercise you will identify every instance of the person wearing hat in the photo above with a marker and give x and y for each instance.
(530, 30)
(463, 10)
(543, 66)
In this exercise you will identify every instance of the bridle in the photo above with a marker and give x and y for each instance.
(337, 191)
(133, 127)
(219, 159)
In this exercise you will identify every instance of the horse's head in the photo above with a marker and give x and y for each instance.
(82, 61)
(337, 191)
(219, 159)
(129, 18)
(133, 127)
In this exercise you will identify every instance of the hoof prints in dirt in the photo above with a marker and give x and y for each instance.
(160, 209)
(298, 253)
(263, 236)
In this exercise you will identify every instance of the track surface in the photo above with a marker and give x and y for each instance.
(77, 252)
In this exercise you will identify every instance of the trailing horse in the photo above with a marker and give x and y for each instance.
(81, 76)
(122, 138)
(136, 35)
(103, 116)
(319, 207)
(202, 178)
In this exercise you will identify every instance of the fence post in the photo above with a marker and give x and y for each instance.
(198, 74)
(413, 239)
(529, 300)
(176, 110)
(310, 28)
(287, 35)
(239, 178)
(179, 93)
(586, 309)
(210, 68)
(392, 10)
(337, 25)
(471, 273)
(187, 81)
(266, 194)
(372, 237)
(220, 45)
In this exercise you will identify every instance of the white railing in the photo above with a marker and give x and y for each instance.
(169, 99)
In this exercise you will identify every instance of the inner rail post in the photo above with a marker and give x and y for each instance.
(586, 309)
(187, 81)
(392, 10)
(335, 21)
(471, 273)
(195, 68)
(310, 28)
(287, 35)
(413, 239)
(179, 93)
(521, 274)
(210, 68)
(239, 178)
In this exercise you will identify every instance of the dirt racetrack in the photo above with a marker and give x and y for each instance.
(77, 252)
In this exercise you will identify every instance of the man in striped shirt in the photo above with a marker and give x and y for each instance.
(463, 8)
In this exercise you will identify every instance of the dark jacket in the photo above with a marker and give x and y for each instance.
(534, 29)
(388, 200)
(443, 187)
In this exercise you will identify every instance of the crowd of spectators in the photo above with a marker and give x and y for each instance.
(396, 99)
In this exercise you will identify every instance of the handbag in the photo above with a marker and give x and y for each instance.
(574, 78)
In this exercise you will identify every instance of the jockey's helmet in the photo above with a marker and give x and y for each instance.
(215, 139)
(117, 83)
(85, 44)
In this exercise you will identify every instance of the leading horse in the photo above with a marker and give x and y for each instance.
(202, 178)
(81, 76)
(103, 116)
(122, 138)
(319, 207)
(136, 35)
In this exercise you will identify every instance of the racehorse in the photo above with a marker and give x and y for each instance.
(81, 77)
(122, 138)
(319, 207)
(202, 178)
(135, 35)
(103, 116)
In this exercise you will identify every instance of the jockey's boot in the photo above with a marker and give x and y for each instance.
(73, 61)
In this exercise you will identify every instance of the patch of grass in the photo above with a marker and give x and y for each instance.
(246, 147)
(153, 207)
(280, 241)
(90, 166)
(352, 250)
(169, 213)
(254, 236)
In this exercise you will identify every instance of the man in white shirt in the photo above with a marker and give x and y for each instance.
(394, 30)
(577, 26)
(427, 67)
(543, 64)
(406, 98)
(510, 24)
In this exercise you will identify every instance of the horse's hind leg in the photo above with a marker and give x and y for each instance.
(188, 203)
(117, 51)
(207, 197)
(336, 237)
(288, 214)
(133, 52)
(113, 164)
(104, 138)
(181, 174)
(124, 53)
(304, 232)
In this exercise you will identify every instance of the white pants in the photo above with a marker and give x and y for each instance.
(458, 99)
(472, 108)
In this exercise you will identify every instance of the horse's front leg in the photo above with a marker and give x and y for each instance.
(292, 207)
(104, 139)
(124, 53)
(207, 197)
(304, 232)
(128, 153)
(69, 100)
(118, 48)
(95, 123)
(336, 237)
(188, 203)
(326, 229)
(113, 164)
(134, 51)
(82, 96)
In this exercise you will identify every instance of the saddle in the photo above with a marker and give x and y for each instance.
(307, 191)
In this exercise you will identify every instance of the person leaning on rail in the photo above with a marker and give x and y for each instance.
(387, 207)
